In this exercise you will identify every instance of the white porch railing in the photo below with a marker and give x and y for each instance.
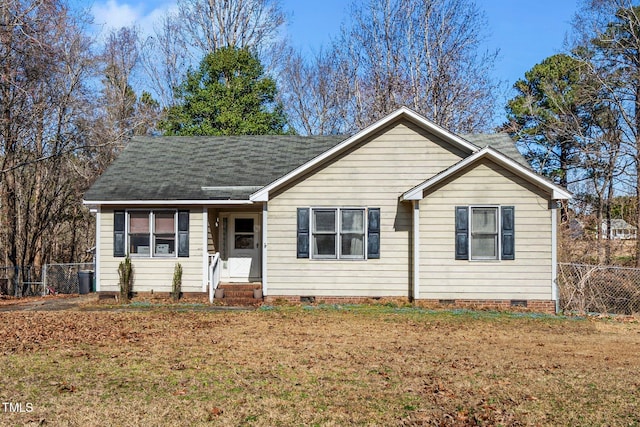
(214, 274)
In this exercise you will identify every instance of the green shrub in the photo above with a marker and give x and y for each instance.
(176, 287)
(125, 272)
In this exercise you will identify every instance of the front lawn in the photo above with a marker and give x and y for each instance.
(316, 366)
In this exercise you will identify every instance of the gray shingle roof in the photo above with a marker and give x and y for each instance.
(221, 168)
(501, 142)
(203, 168)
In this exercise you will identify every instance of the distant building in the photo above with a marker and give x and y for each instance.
(620, 230)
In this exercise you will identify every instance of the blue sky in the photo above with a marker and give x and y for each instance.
(525, 32)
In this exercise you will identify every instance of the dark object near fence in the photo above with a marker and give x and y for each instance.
(85, 280)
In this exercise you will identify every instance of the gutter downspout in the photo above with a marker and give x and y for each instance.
(554, 254)
(416, 249)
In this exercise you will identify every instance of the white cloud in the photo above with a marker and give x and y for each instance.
(114, 14)
(111, 15)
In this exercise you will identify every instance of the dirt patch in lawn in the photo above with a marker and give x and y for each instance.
(317, 366)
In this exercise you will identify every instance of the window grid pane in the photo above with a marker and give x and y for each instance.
(484, 220)
(324, 221)
(164, 222)
(352, 221)
(139, 222)
(324, 245)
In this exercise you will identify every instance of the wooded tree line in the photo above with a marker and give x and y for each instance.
(71, 100)
(576, 116)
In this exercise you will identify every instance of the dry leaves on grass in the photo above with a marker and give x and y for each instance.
(294, 366)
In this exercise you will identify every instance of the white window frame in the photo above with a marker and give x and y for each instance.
(152, 233)
(498, 233)
(338, 234)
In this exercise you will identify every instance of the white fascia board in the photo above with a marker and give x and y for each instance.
(262, 195)
(557, 192)
(166, 202)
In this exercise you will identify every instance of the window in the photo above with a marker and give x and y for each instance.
(338, 233)
(139, 235)
(352, 233)
(484, 233)
(164, 233)
(244, 233)
(324, 233)
(151, 233)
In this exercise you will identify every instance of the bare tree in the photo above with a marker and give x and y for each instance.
(425, 55)
(316, 93)
(46, 103)
(212, 24)
(120, 58)
(123, 112)
(607, 36)
(166, 57)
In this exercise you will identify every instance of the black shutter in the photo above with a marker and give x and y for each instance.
(373, 233)
(118, 234)
(183, 234)
(508, 242)
(303, 233)
(462, 232)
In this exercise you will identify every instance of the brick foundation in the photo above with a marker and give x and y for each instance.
(538, 306)
(159, 296)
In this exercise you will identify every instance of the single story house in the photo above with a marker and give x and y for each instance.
(403, 208)
(620, 230)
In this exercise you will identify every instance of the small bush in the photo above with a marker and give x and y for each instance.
(176, 287)
(125, 272)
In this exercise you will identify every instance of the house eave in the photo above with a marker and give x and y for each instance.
(166, 202)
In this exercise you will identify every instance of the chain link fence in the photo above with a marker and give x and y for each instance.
(21, 281)
(599, 289)
(63, 278)
(50, 279)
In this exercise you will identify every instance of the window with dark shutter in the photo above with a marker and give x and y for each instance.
(508, 241)
(462, 232)
(119, 234)
(478, 238)
(303, 233)
(183, 233)
(373, 233)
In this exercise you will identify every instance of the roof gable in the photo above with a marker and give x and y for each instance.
(557, 192)
(344, 146)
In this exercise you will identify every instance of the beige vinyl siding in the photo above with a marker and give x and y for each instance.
(373, 175)
(526, 277)
(152, 273)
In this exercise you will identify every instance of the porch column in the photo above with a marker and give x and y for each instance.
(205, 248)
(264, 247)
(416, 249)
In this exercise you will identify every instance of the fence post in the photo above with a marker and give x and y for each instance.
(44, 280)
(16, 279)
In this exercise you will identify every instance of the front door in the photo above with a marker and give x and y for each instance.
(244, 247)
